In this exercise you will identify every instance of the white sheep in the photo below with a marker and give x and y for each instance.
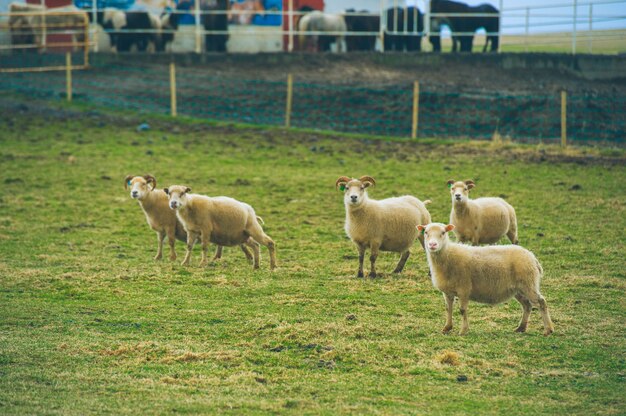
(160, 217)
(486, 274)
(482, 220)
(219, 220)
(384, 225)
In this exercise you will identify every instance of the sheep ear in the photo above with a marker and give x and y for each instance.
(187, 189)
(167, 191)
(449, 227)
(421, 228)
(450, 183)
(127, 181)
(470, 184)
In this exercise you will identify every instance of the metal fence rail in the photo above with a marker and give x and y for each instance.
(577, 23)
(379, 110)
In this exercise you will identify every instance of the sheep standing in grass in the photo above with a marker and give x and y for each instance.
(160, 217)
(385, 225)
(482, 220)
(488, 274)
(220, 220)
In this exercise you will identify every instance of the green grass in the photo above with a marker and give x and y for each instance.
(90, 324)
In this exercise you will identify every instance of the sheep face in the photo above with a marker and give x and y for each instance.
(354, 193)
(140, 186)
(177, 196)
(435, 235)
(459, 190)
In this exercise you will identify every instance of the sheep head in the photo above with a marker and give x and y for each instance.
(435, 235)
(354, 189)
(459, 190)
(177, 195)
(139, 185)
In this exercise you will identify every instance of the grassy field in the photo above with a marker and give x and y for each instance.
(90, 324)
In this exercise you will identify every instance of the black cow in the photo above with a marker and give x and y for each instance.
(215, 42)
(362, 23)
(466, 25)
(412, 40)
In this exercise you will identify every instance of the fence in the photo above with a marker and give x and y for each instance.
(400, 110)
(575, 26)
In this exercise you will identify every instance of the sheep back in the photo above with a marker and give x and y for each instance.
(484, 219)
(390, 222)
(490, 274)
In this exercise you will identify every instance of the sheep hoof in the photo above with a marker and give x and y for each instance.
(372, 275)
(204, 263)
(185, 263)
(521, 329)
(158, 257)
(548, 331)
(360, 275)
(446, 329)
(463, 331)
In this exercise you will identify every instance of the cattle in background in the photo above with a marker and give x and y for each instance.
(409, 38)
(463, 27)
(364, 22)
(215, 22)
(318, 22)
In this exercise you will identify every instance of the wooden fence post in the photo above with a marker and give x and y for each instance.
(68, 76)
(563, 118)
(416, 108)
(289, 98)
(173, 89)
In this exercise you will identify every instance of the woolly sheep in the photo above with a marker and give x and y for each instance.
(220, 220)
(160, 217)
(385, 225)
(487, 274)
(482, 220)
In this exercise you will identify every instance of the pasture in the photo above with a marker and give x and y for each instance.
(89, 323)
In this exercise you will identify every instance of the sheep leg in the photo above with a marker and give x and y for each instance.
(536, 297)
(512, 233)
(373, 256)
(205, 248)
(171, 239)
(256, 232)
(449, 306)
(191, 240)
(160, 238)
(527, 307)
(402, 261)
(361, 259)
(463, 303)
(218, 253)
(247, 253)
(256, 251)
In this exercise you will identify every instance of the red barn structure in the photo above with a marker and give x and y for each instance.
(55, 38)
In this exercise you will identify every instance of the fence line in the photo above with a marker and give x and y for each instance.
(404, 110)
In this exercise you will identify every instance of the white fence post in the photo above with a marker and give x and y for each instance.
(198, 30)
(526, 26)
(290, 26)
(94, 25)
(590, 35)
(500, 26)
(574, 28)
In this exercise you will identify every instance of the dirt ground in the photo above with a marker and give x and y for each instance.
(460, 96)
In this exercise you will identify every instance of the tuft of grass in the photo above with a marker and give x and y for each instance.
(89, 323)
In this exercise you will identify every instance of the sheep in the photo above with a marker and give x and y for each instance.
(487, 274)
(384, 225)
(160, 217)
(220, 220)
(482, 220)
